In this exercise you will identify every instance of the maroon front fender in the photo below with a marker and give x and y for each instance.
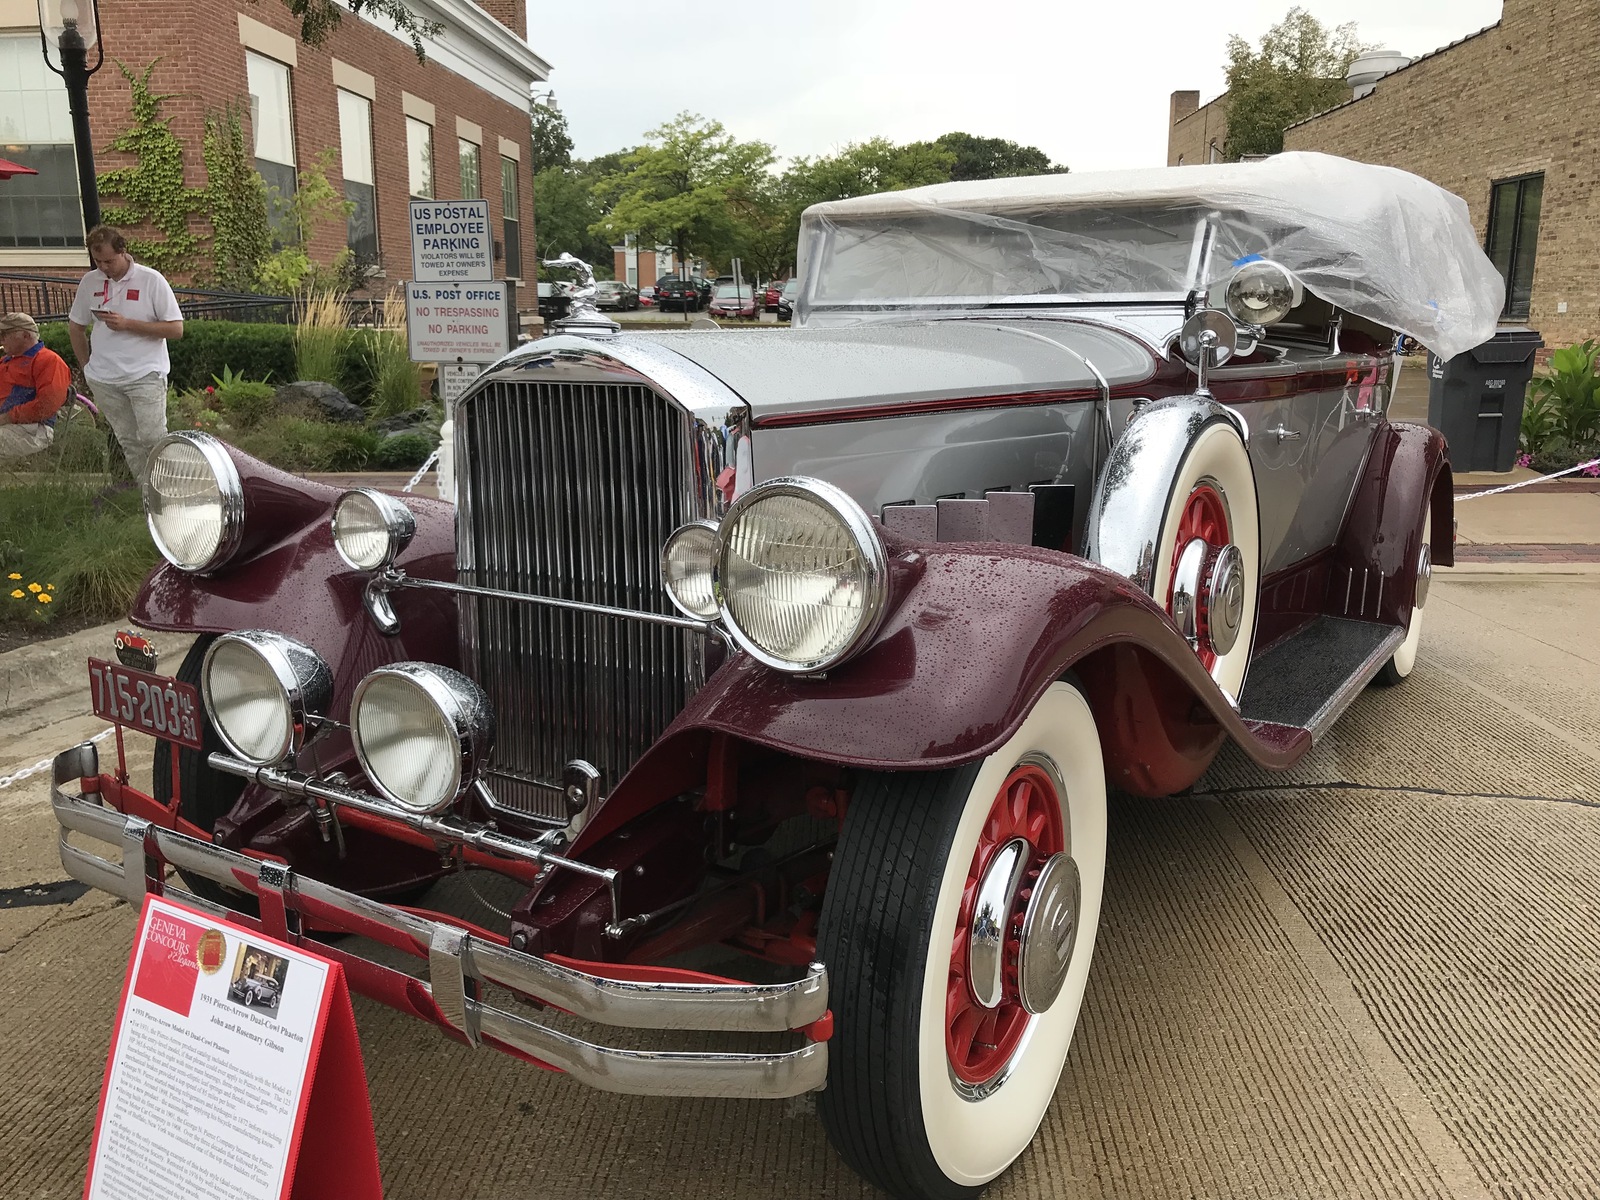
(981, 632)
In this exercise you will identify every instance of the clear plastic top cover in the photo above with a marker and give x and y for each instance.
(1379, 242)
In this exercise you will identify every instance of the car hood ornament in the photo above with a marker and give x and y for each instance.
(583, 317)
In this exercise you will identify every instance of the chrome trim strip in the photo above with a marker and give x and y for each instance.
(726, 1007)
(1323, 719)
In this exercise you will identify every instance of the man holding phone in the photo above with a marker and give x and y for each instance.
(135, 315)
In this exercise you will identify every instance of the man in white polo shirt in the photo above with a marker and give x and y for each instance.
(135, 315)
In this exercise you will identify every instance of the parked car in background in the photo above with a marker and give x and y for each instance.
(678, 295)
(786, 298)
(814, 654)
(614, 294)
(705, 288)
(647, 296)
(555, 298)
(770, 295)
(733, 300)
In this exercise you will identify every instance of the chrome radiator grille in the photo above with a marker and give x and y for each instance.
(569, 490)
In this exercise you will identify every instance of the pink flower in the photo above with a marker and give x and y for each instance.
(1592, 470)
(1524, 460)
(209, 390)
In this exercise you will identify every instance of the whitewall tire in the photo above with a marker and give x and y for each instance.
(1399, 667)
(958, 929)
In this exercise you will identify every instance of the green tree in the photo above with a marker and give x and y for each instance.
(862, 168)
(994, 158)
(319, 18)
(567, 209)
(552, 144)
(676, 189)
(1298, 71)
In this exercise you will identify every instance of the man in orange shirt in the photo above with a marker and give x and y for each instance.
(33, 386)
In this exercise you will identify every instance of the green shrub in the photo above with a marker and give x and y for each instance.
(402, 452)
(246, 404)
(1565, 404)
(396, 381)
(319, 337)
(300, 444)
(1560, 454)
(258, 351)
(92, 545)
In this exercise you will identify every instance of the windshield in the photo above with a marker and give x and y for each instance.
(730, 291)
(608, 285)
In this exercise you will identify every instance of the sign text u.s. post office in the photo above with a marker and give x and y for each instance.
(451, 241)
(470, 321)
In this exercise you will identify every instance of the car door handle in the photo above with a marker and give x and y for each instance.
(1284, 434)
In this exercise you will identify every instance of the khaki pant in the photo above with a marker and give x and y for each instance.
(19, 441)
(137, 411)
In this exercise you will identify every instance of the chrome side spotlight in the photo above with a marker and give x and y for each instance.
(370, 529)
(687, 562)
(265, 694)
(1263, 292)
(423, 733)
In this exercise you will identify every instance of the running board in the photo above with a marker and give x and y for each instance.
(1310, 678)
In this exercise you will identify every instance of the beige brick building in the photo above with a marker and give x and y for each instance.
(1196, 133)
(1508, 118)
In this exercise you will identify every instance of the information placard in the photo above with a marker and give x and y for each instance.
(225, 1041)
(469, 321)
(455, 378)
(451, 241)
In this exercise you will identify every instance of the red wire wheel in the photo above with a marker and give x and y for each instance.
(1205, 516)
(980, 1041)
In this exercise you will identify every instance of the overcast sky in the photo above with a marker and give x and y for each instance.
(1087, 81)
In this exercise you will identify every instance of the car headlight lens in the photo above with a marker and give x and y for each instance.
(371, 529)
(686, 566)
(264, 692)
(801, 576)
(1263, 292)
(423, 733)
(194, 502)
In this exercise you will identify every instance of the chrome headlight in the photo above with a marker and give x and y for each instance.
(194, 502)
(1263, 292)
(687, 561)
(264, 692)
(801, 577)
(370, 529)
(423, 733)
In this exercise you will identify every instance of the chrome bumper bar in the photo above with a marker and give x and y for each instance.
(455, 955)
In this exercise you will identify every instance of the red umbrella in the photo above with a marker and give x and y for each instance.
(9, 168)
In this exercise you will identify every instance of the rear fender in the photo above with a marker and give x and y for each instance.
(977, 636)
(1407, 476)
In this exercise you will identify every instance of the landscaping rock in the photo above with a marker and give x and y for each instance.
(333, 404)
(417, 419)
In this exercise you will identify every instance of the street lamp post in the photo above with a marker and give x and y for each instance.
(69, 30)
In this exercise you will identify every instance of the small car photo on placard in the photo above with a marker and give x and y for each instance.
(258, 978)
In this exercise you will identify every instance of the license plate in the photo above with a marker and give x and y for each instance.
(153, 704)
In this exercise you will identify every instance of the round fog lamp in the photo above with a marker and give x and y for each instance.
(686, 565)
(801, 577)
(193, 501)
(371, 529)
(263, 692)
(1263, 292)
(423, 733)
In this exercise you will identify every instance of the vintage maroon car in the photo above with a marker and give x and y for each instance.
(820, 648)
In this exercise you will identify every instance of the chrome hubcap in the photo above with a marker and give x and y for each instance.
(1208, 589)
(1049, 933)
(1225, 599)
(991, 921)
(1424, 575)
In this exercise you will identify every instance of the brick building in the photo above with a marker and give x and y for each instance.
(1196, 133)
(454, 126)
(1506, 118)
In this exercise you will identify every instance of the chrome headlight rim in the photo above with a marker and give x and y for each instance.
(399, 522)
(465, 714)
(868, 542)
(1280, 276)
(305, 683)
(694, 529)
(230, 488)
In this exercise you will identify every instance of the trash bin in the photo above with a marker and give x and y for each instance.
(1475, 399)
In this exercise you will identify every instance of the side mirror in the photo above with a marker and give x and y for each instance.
(1207, 340)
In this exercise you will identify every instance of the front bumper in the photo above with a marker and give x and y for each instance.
(456, 953)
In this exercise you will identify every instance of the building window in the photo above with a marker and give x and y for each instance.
(360, 188)
(471, 171)
(512, 210)
(272, 123)
(40, 210)
(1514, 236)
(419, 157)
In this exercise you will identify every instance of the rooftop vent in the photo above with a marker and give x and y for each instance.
(1372, 66)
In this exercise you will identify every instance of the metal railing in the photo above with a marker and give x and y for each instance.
(49, 298)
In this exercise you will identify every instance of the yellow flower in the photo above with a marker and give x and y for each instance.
(13, 575)
(49, 587)
(34, 587)
(17, 594)
(44, 598)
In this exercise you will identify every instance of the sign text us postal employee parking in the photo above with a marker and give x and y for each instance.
(451, 241)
